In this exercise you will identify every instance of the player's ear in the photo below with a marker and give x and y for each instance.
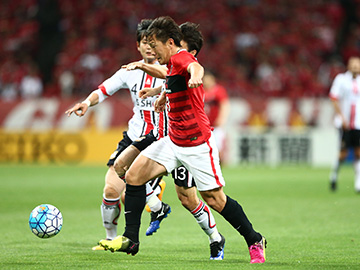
(138, 45)
(193, 52)
(170, 42)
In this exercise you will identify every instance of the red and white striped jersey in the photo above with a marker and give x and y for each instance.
(145, 118)
(346, 90)
(188, 123)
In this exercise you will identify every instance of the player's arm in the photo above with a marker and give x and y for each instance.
(224, 111)
(153, 70)
(337, 108)
(196, 74)
(160, 102)
(336, 95)
(81, 108)
(149, 92)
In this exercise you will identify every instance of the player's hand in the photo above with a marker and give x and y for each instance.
(160, 103)
(195, 82)
(79, 109)
(149, 92)
(132, 66)
(345, 125)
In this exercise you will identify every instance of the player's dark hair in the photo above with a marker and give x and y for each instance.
(164, 28)
(142, 26)
(192, 36)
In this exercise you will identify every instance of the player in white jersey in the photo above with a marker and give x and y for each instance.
(345, 95)
(142, 122)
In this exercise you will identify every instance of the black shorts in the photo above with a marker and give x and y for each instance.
(182, 177)
(144, 141)
(122, 145)
(350, 138)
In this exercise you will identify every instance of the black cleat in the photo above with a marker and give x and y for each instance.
(333, 186)
(217, 249)
(157, 217)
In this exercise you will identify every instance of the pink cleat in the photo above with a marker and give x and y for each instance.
(257, 251)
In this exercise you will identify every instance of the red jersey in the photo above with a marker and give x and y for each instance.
(188, 123)
(213, 99)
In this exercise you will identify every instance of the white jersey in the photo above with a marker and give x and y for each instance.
(346, 90)
(145, 118)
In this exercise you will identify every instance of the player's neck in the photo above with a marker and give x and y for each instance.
(149, 61)
(174, 50)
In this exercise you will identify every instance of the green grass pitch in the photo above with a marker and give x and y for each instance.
(306, 225)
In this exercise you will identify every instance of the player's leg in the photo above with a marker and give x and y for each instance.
(154, 189)
(125, 159)
(159, 210)
(156, 160)
(339, 160)
(138, 174)
(110, 206)
(186, 191)
(357, 160)
(209, 181)
(232, 211)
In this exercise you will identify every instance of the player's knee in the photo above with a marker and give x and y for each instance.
(119, 168)
(111, 192)
(216, 200)
(189, 202)
(131, 177)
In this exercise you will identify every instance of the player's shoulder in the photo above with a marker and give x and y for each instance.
(125, 73)
(183, 54)
(344, 75)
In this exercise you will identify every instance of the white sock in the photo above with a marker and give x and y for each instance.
(206, 220)
(110, 212)
(335, 171)
(357, 175)
(152, 200)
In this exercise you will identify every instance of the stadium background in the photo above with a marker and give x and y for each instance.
(276, 58)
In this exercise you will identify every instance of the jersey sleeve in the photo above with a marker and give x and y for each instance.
(114, 83)
(182, 63)
(335, 90)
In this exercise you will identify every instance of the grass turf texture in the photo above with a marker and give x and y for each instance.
(307, 226)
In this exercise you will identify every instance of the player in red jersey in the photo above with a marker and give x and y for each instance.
(184, 182)
(190, 143)
(217, 108)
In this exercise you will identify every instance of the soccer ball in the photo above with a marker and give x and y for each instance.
(45, 221)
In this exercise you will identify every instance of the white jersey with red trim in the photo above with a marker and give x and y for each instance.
(346, 90)
(145, 118)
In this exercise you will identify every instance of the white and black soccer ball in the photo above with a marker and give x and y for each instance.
(45, 221)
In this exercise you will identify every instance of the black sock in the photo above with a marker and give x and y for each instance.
(134, 205)
(235, 215)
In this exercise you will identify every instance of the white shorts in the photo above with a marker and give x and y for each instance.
(202, 161)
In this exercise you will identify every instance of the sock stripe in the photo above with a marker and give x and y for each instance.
(198, 208)
(206, 209)
(110, 202)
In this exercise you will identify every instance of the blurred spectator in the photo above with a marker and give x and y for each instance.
(67, 83)
(31, 85)
(217, 108)
(246, 43)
